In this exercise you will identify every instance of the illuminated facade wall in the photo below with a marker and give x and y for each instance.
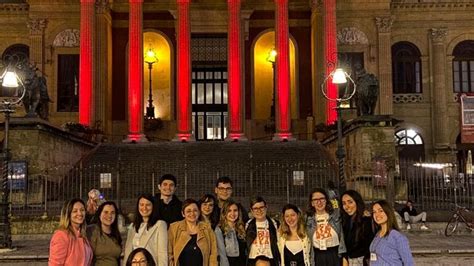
(366, 28)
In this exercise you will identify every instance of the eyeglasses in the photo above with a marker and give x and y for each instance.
(261, 209)
(319, 200)
(139, 262)
(226, 189)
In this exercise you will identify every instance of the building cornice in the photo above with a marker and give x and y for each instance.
(6, 8)
(445, 5)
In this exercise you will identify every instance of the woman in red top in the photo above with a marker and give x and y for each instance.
(69, 245)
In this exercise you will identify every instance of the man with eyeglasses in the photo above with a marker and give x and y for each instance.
(261, 235)
(223, 192)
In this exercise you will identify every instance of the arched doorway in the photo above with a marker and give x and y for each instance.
(263, 77)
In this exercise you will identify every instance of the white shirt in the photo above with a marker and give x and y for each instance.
(324, 236)
(261, 244)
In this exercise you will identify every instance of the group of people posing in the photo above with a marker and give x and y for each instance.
(216, 230)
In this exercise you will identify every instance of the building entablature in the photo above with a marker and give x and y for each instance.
(433, 5)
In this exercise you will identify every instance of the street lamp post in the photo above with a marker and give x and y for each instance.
(340, 78)
(271, 58)
(9, 80)
(150, 59)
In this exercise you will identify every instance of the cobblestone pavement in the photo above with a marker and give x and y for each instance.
(428, 249)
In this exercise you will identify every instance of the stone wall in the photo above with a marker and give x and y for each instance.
(48, 151)
(370, 157)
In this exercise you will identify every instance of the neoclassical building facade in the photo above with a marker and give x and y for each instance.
(211, 76)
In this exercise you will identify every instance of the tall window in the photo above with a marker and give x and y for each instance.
(463, 67)
(68, 83)
(406, 68)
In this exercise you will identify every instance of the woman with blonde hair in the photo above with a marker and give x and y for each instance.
(293, 241)
(69, 245)
(230, 235)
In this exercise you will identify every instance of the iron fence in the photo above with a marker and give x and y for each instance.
(277, 182)
(432, 186)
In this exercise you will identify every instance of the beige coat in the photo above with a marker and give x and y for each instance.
(154, 240)
(178, 237)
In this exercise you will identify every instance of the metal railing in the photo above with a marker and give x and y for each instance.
(122, 182)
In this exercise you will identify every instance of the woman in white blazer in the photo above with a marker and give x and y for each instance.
(148, 232)
(293, 242)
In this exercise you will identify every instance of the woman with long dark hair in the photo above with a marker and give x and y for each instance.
(104, 236)
(357, 227)
(209, 210)
(230, 235)
(324, 227)
(147, 231)
(69, 245)
(389, 246)
(293, 241)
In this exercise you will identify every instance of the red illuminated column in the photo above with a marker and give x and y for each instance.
(135, 72)
(283, 110)
(183, 104)
(330, 55)
(234, 65)
(86, 60)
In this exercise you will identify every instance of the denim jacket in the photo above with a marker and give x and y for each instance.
(336, 223)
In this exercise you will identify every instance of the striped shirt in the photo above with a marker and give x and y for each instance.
(393, 249)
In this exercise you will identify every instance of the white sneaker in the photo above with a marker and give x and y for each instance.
(408, 227)
(424, 227)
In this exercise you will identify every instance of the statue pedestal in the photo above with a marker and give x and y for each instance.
(370, 157)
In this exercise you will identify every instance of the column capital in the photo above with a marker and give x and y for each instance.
(234, 1)
(315, 5)
(281, 1)
(438, 35)
(103, 6)
(384, 24)
(135, 1)
(88, 1)
(183, 1)
(37, 26)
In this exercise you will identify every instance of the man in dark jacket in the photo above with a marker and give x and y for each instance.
(411, 216)
(168, 205)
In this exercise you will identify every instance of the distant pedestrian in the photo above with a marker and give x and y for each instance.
(293, 241)
(191, 241)
(224, 190)
(104, 236)
(230, 235)
(147, 231)
(357, 227)
(324, 227)
(262, 236)
(140, 257)
(69, 245)
(209, 210)
(411, 216)
(389, 246)
(168, 204)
